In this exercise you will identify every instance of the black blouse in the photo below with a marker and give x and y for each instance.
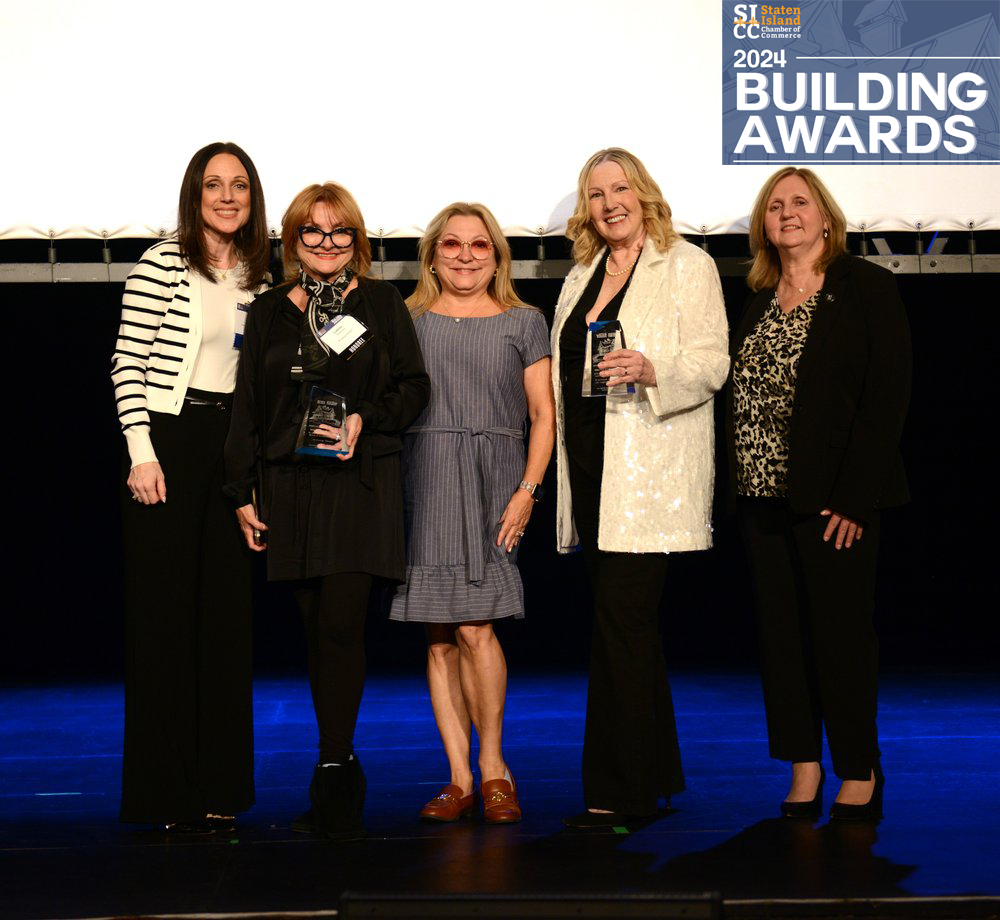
(585, 414)
(384, 382)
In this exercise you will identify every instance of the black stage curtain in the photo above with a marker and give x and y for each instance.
(63, 461)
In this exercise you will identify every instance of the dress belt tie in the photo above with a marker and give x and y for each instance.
(470, 482)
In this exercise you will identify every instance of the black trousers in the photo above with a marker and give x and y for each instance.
(333, 609)
(631, 758)
(189, 641)
(818, 647)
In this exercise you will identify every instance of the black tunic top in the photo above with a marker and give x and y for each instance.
(327, 515)
(585, 414)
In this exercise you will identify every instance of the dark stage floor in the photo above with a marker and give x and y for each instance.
(63, 854)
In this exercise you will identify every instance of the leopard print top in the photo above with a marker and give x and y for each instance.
(763, 394)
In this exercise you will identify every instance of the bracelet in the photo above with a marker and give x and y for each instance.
(532, 488)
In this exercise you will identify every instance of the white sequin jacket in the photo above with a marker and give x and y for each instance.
(659, 455)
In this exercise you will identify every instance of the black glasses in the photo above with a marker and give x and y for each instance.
(340, 237)
(451, 248)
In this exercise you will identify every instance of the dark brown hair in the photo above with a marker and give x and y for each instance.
(342, 203)
(251, 241)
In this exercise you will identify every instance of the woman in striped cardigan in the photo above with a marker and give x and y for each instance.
(188, 760)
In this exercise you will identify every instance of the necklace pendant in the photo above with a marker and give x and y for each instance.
(458, 319)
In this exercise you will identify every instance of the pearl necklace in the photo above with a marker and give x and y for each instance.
(611, 274)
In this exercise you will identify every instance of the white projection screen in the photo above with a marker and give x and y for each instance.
(409, 104)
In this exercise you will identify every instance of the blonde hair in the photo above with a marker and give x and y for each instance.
(656, 214)
(342, 203)
(428, 290)
(765, 267)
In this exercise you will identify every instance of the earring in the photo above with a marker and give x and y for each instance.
(826, 233)
(497, 272)
(433, 272)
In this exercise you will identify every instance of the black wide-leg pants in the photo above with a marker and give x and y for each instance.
(188, 693)
(818, 647)
(631, 758)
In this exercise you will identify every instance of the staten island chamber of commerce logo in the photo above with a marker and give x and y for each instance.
(850, 81)
(755, 20)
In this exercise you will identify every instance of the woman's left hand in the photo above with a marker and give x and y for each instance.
(515, 519)
(847, 529)
(623, 366)
(342, 438)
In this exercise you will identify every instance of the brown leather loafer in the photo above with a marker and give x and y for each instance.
(449, 805)
(500, 805)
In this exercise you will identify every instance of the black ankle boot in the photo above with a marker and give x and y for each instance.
(337, 793)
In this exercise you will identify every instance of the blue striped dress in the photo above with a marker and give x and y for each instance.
(462, 460)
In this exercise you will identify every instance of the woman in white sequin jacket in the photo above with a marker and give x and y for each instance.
(636, 468)
(660, 440)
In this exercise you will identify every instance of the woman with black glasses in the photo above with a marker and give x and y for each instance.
(329, 492)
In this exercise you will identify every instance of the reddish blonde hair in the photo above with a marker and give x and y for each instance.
(342, 203)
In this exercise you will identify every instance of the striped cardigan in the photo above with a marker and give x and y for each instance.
(158, 339)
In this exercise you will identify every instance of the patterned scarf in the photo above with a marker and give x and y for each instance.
(326, 300)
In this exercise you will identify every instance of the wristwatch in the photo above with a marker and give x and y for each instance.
(534, 489)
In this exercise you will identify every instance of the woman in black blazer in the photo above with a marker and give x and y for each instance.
(820, 386)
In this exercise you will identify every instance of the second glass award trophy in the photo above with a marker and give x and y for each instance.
(324, 408)
(602, 339)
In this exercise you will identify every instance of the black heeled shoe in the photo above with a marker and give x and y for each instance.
(222, 824)
(812, 809)
(590, 819)
(870, 811)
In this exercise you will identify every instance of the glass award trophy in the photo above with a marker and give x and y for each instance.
(602, 339)
(324, 408)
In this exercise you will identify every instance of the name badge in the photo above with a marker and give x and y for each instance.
(242, 312)
(344, 335)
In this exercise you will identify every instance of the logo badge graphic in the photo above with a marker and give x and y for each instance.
(849, 82)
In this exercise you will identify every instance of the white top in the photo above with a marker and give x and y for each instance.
(158, 341)
(218, 352)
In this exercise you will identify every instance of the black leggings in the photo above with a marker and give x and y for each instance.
(333, 609)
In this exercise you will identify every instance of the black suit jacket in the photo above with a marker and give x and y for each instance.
(851, 394)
